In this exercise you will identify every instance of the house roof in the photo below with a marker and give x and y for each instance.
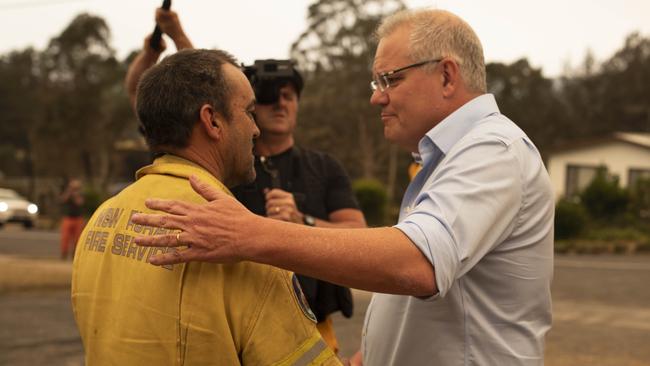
(639, 139)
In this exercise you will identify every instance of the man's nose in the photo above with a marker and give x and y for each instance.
(378, 97)
(256, 131)
(281, 102)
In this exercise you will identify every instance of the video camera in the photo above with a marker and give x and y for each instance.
(268, 76)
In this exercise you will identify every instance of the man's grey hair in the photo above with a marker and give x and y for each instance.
(439, 33)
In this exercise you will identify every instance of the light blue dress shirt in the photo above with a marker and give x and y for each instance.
(481, 211)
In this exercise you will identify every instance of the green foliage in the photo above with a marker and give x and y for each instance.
(570, 219)
(335, 53)
(605, 219)
(612, 96)
(610, 234)
(93, 198)
(640, 201)
(64, 107)
(603, 198)
(585, 246)
(518, 87)
(373, 200)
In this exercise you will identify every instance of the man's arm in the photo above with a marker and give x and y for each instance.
(222, 230)
(345, 217)
(355, 360)
(338, 197)
(142, 62)
(281, 205)
(170, 25)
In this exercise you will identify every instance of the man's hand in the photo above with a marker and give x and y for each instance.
(150, 54)
(143, 61)
(210, 230)
(169, 23)
(355, 360)
(281, 205)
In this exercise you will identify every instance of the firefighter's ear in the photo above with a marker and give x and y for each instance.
(211, 121)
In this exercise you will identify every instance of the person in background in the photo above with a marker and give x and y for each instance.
(72, 201)
(296, 184)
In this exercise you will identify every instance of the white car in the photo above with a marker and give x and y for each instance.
(14, 208)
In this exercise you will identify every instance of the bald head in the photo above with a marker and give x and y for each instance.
(438, 33)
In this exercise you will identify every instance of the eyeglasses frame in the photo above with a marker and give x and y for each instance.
(376, 85)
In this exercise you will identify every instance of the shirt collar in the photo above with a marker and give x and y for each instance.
(450, 130)
(176, 166)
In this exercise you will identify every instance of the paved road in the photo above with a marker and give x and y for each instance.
(14, 240)
(601, 310)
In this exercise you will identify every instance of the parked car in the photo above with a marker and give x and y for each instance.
(15, 208)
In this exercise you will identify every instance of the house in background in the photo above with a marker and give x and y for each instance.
(624, 154)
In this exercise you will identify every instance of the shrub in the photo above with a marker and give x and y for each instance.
(640, 199)
(615, 233)
(93, 198)
(570, 219)
(372, 198)
(603, 198)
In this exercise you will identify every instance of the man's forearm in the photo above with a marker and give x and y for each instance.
(379, 260)
(182, 42)
(343, 218)
(143, 61)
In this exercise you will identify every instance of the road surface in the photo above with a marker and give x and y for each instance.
(601, 307)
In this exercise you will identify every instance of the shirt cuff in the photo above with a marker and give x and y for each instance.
(436, 244)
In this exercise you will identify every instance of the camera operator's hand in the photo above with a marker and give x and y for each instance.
(281, 205)
(169, 23)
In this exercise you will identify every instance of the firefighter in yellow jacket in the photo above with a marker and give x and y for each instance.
(196, 111)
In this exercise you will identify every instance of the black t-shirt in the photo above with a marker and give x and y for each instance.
(70, 208)
(320, 186)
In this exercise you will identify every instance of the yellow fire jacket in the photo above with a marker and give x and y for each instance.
(130, 312)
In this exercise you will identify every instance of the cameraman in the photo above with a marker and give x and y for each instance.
(296, 184)
(293, 184)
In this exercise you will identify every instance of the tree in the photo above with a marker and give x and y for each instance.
(336, 52)
(85, 106)
(626, 84)
(529, 99)
(613, 96)
(21, 104)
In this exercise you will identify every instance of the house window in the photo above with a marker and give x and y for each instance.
(578, 178)
(635, 175)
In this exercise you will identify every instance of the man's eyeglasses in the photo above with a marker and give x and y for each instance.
(383, 81)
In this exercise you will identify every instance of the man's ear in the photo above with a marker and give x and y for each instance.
(451, 78)
(211, 121)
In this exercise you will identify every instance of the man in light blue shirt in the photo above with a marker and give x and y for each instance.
(480, 210)
(470, 261)
(490, 243)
